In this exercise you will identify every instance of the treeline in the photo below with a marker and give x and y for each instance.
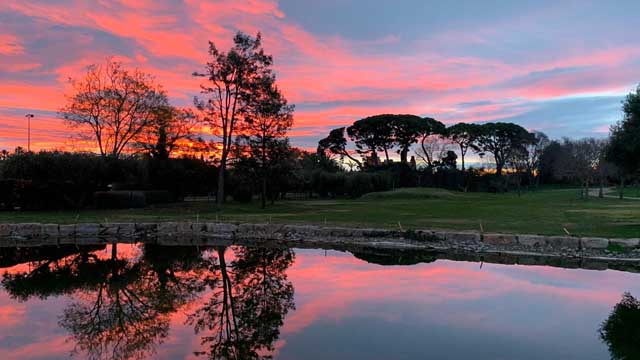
(65, 180)
(148, 151)
(437, 149)
(506, 142)
(517, 157)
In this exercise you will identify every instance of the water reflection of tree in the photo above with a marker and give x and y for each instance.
(59, 274)
(250, 296)
(621, 331)
(122, 306)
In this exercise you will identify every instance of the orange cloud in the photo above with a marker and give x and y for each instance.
(334, 79)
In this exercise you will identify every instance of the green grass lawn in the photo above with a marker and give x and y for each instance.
(632, 191)
(538, 212)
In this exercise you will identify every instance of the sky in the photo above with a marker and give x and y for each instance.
(561, 67)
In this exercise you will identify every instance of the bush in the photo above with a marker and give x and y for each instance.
(243, 193)
(63, 180)
(119, 199)
(382, 181)
(360, 183)
(37, 195)
(157, 197)
(328, 184)
(182, 177)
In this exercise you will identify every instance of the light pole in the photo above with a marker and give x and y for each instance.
(29, 117)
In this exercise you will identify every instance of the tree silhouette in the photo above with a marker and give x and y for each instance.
(268, 120)
(250, 297)
(114, 104)
(407, 129)
(502, 140)
(621, 331)
(167, 132)
(58, 273)
(464, 135)
(121, 307)
(373, 134)
(232, 84)
(336, 143)
(119, 317)
(177, 274)
(624, 145)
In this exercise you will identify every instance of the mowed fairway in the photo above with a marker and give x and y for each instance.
(546, 212)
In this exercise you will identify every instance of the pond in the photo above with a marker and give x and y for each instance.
(235, 302)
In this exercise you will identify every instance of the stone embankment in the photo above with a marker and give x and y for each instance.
(199, 232)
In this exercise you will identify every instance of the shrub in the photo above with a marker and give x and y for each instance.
(358, 184)
(119, 199)
(243, 193)
(157, 197)
(328, 184)
(63, 180)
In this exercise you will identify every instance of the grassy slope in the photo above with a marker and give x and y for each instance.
(541, 212)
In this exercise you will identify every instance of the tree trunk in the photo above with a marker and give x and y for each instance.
(586, 189)
(264, 191)
(621, 190)
(220, 195)
(601, 192)
(462, 153)
(403, 155)
(114, 251)
(374, 158)
(499, 169)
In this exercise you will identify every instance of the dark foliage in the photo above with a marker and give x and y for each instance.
(63, 180)
(621, 331)
(624, 147)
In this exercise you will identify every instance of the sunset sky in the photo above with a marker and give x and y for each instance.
(561, 67)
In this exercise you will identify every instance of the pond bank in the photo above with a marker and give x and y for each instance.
(190, 233)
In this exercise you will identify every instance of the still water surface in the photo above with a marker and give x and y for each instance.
(149, 301)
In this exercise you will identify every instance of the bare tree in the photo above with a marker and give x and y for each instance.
(534, 150)
(433, 148)
(581, 161)
(113, 104)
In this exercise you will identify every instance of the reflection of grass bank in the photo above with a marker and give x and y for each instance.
(545, 212)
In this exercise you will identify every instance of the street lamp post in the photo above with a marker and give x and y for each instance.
(29, 117)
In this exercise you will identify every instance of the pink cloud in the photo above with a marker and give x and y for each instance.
(10, 45)
(339, 78)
